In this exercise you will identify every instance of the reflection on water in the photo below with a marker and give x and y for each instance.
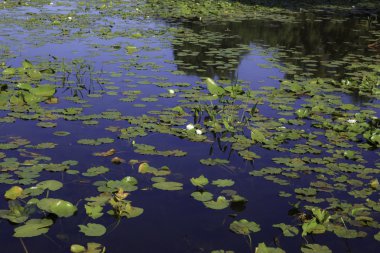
(321, 46)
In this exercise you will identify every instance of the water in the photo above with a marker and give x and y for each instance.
(89, 51)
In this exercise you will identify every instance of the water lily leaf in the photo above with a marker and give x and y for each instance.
(223, 182)
(93, 229)
(14, 192)
(109, 152)
(217, 161)
(26, 64)
(61, 133)
(262, 248)
(51, 185)
(168, 186)
(16, 212)
(349, 233)
(76, 248)
(146, 168)
(202, 196)
(43, 90)
(131, 49)
(377, 236)
(213, 88)
(220, 203)
(315, 248)
(33, 227)
(94, 211)
(257, 135)
(132, 211)
(287, 230)
(244, 227)
(9, 71)
(59, 207)
(374, 183)
(311, 226)
(128, 184)
(34, 74)
(92, 247)
(199, 181)
(94, 171)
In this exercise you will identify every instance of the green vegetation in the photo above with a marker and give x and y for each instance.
(192, 117)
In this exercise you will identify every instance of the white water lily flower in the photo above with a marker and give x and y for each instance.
(69, 18)
(198, 131)
(190, 127)
(171, 91)
(351, 121)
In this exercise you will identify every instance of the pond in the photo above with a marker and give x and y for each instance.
(140, 134)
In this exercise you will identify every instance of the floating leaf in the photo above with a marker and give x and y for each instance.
(377, 236)
(262, 248)
(94, 171)
(213, 88)
(220, 203)
(244, 227)
(51, 185)
(168, 186)
(223, 182)
(59, 207)
(109, 152)
(287, 230)
(315, 248)
(14, 192)
(76, 248)
(93, 229)
(94, 211)
(202, 196)
(200, 181)
(33, 227)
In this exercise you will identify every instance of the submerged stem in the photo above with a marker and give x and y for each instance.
(24, 246)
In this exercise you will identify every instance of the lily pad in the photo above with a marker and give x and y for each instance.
(220, 203)
(223, 182)
(33, 227)
(14, 192)
(200, 181)
(168, 186)
(244, 227)
(202, 196)
(315, 248)
(93, 229)
(59, 207)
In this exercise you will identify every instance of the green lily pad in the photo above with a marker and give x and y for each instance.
(213, 88)
(94, 171)
(33, 227)
(92, 247)
(93, 229)
(202, 196)
(168, 186)
(59, 207)
(315, 248)
(51, 185)
(223, 182)
(244, 227)
(200, 181)
(262, 248)
(377, 236)
(287, 230)
(14, 192)
(94, 211)
(220, 203)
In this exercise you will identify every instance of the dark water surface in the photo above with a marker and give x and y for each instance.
(178, 55)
